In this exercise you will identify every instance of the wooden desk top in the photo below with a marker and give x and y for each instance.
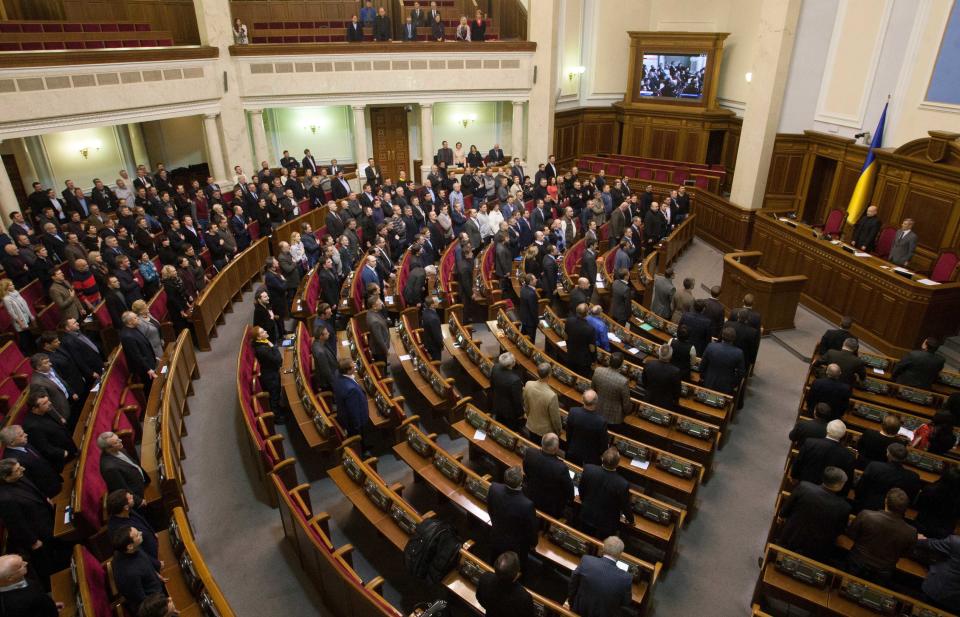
(377, 517)
(461, 357)
(442, 484)
(304, 421)
(419, 382)
(61, 588)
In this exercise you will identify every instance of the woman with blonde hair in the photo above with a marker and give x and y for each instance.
(20, 313)
(148, 325)
(297, 251)
(179, 306)
(463, 30)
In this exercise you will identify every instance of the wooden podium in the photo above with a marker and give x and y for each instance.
(775, 297)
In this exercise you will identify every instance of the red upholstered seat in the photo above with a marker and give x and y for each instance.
(74, 45)
(53, 27)
(91, 27)
(834, 223)
(645, 173)
(701, 182)
(467, 202)
(97, 585)
(9, 393)
(8, 27)
(604, 232)
(31, 46)
(49, 318)
(53, 45)
(142, 27)
(93, 45)
(126, 27)
(9, 47)
(158, 306)
(628, 171)
(254, 229)
(661, 175)
(31, 27)
(260, 25)
(945, 269)
(885, 241)
(259, 39)
(608, 262)
(72, 28)
(680, 176)
(109, 27)
(291, 39)
(10, 358)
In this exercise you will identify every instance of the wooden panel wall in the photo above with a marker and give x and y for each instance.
(510, 17)
(175, 16)
(721, 223)
(250, 11)
(585, 131)
(34, 9)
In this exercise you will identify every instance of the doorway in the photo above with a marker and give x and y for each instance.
(13, 171)
(818, 191)
(391, 146)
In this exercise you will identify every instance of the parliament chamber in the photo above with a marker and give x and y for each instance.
(479, 307)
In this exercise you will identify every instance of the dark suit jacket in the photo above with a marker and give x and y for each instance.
(714, 310)
(325, 366)
(814, 517)
(918, 369)
(118, 474)
(432, 336)
(833, 339)
(513, 520)
(598, 588)
(621, 295)
(31, 601)
(138, 351)
(503, 599)
(506, 392)
(580, 336)
(880, 477)
(26, 515)
(942, 584)
(808, 429)
(38, 469)
(818, 454)
(547, 482)
(873, 446)
(88, 359)
(50, 437)
(662, 382)
(60, 402)
(528, 308)
(352, 407)
(379, 335)
(381, 28)
(748, 340)
(588, 267)
(604, 495)
(831, 391)
(68, 371)
(722, 367)
(701, 329)
(354, 32)
(587, 436)
(850, 364)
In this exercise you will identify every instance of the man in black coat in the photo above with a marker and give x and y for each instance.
(662, 380)
(812, 429)
(500, 592)
(270, 360)
(581, 339)
(119, 470)
(551, 272)
(604, 497)
(829, 390)
(546, 477)
(873, 444)
(382, 31)
(699, 325)
(853, 370)
(136, 573)
(881, 476)
(588, 263)
(587, 436)
(834, 338)
(747, 337)
(84, 352)
(817, 454)
(503, 263)
(506, 392)
(513, 517)
(814, 516)
(64, 365)
(138, 351)
(920, 368)
(529, 308)
(38, 469)
(21, 595)
(866, 231)
(325, 362)
(432, 335)
(722, 365)
(581, 294)
(329, 283)
(27, 515)
(715, 311)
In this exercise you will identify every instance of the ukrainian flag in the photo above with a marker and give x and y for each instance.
(864, 189)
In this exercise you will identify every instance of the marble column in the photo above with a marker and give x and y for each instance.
(543, 23)
(359, 137)
(8, 198)
(426, 139)
(774, 47)
(214, 150)
(261, 147)
(516, 131)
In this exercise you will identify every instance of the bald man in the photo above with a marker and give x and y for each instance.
(587, 435)
(866, 230)
(830, 389)
(21, 596)
(546, 479)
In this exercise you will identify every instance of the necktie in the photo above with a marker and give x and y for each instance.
(55, 379)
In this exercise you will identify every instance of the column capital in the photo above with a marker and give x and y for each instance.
(211, 116)
(428, 105)
(359, 107)
(255, 112)
(517, 103)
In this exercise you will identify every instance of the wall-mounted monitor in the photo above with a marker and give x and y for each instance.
(673, 76)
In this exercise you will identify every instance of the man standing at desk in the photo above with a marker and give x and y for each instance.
(904, 244)
(866, 230)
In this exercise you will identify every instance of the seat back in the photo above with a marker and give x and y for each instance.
(945, 269)
(885, 241)
(834, 224)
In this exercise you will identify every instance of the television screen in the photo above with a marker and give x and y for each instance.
(674, 76)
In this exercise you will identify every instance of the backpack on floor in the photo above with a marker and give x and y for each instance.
(432, 551)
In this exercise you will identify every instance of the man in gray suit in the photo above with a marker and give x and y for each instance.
(621, 297)
(904, 244)
(379, 332)
(663, 292)
(64, 401)
(325, 363)
(613, 391)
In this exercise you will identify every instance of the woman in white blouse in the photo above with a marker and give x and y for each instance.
(297, 251)
(459, 156)
(19, 312)
(495, 217)
(240, 36)
(483, 221)
(463, 30)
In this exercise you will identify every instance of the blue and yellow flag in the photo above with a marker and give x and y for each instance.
(864, 189)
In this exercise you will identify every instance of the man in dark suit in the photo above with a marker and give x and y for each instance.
(64, 366)
(513, 517)
(309, 163)
(661, 379)
(852, 368)
(817, 454)
(830, 390)
(64, 401)
(598, 587)
(495, 155)
(432, 336)
(500, 592)
(834, 339)
(138, 351)
(238, 226)
(621, 297)
(587, 436)
(920, 368)
(581, 339)
(812, 429)
(503, 263)
(723, 366)
(754, 318)
(866, 231)
(119, 470)
(880, 539)
(904, 244)
(506, 392)
(373, 173)
(325, 363)
(747, 337)
(38, 469)
(47, 430)
(551, 272)
(546, 477)
(136, 573)
(699, 325)
(27, 515)
(22, 595)
(354, 30)
(814, 516)
(379, 332)
(941, 584)
(715, 311)
(881, 476)
(604, 497)
(588, 263)
(82, 349)
(351, 400)
(529, 308)
(873, 444)
(382, 30)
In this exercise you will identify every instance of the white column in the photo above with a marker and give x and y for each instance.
(8, 198)
(543, 25)
(214, 150)
(774, 47)
(426, 139)
(261, 146)
(359, 136)
(516, 131)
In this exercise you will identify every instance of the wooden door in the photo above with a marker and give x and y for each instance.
(391, 146)
(10, 162)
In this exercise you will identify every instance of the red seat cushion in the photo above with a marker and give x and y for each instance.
(126, 27)
(97, 585)
(72, 28)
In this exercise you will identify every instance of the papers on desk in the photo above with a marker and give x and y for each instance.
(576, 491)
(835, 242)
(638, 463)
(902, 270)
(403, 358)
(783, 219)
(388, 299)
(634, 350)
(906, 433)
(613, 337)
(572, 475)
(95, 388)
(561, 343)
(543, 322)
(599, 285)
(646, 327)
(345, 343)
(860, 254)
(599, 277)
(479, 435)
(163, 371)
(928, 282)
(623, 566)
(878, 371)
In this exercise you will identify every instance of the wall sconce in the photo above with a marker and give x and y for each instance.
(312, 128)
(748, 77)
(575, 70)
(84, 149)
(466, 119)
